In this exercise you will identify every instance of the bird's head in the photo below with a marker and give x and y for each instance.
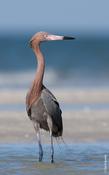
(44, 36)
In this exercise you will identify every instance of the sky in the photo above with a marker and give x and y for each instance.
(84, 15)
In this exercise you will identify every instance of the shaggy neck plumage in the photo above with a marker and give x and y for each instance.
(40, 66)
(38, 81)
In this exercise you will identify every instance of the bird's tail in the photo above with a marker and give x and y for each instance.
(63, 141)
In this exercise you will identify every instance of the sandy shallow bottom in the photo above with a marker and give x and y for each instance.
(79, 126)
(85, 116)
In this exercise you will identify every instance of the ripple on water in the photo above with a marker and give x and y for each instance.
(74, 159)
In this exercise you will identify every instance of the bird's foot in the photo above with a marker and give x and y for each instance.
(52, 159)
(40, 157)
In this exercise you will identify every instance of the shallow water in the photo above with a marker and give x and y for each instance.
(72, 159)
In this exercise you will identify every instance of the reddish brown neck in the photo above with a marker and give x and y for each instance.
(40, 66)
(38, 81)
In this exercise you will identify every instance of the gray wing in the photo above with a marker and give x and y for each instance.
(28, 109)
(52, 107)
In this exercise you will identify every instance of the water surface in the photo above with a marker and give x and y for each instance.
(72, 159)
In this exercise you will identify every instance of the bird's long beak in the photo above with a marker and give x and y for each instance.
(57, 37)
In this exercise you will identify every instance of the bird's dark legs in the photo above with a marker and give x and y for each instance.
(52, 149)
(50, 124)
(37, 129)
(40, 147)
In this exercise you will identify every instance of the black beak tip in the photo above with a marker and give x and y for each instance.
(68, 38)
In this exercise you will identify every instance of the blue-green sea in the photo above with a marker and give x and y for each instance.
(80, 62)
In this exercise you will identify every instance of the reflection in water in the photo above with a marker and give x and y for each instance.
(71, 159)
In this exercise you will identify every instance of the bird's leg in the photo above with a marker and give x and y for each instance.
(37, 129)
(52, 149)
(50, 125)
(40, 147)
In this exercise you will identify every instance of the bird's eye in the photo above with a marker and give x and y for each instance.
(45, 35)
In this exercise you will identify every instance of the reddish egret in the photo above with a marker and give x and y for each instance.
(42, 106)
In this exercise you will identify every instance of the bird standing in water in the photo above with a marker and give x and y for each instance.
(42, 107)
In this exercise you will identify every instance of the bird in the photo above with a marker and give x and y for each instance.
(42, 106)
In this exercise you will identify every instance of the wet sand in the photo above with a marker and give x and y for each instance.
(80, 124)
